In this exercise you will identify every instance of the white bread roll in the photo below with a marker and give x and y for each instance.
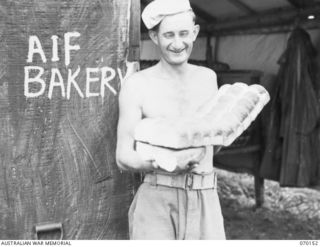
(219, 122)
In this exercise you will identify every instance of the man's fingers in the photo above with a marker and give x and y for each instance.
(155, 164)
(193, 164)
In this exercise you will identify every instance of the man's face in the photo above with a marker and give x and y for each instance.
(175, 37)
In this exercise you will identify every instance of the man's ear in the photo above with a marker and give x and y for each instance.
(153, 36)
(196, 30)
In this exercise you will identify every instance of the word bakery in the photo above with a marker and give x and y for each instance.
(96, 79)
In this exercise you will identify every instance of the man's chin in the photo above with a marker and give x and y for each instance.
(177, 63)
(178, 60)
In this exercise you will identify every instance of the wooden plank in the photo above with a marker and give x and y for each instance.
(284, 28)
(242, 150)
(278, 17)
(57, 156)
(301, 3)
(242, 6)
(135, 37)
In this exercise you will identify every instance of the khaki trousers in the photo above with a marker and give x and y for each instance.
(163, 212)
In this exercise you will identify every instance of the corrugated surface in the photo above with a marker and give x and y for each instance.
(57, 156)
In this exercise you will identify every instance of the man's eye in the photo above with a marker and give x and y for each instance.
(184, 34)
(168, 35)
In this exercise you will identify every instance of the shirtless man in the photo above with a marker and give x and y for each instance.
(168, 205)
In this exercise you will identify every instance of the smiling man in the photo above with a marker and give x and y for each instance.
(182, 204)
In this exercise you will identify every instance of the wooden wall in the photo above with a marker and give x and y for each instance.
(57, 156)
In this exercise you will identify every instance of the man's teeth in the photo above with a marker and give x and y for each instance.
(177, 51)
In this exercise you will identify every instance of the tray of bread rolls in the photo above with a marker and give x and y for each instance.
(218, 122)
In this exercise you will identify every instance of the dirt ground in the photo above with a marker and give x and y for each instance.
(287, 213)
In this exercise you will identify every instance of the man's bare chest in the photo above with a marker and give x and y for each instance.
(165, 100)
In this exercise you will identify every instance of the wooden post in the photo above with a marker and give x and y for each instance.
(134, 58)
(259, 190)
(135, 37)
(209, 58)
(57, 152)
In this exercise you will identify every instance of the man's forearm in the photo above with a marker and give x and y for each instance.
(131, 161)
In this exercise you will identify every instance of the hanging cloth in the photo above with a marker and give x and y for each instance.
(291, 154)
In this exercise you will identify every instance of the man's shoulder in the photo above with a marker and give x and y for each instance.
(136, 83)
(205, 71)
(141, 76)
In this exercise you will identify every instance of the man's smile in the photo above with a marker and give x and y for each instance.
(177, 51)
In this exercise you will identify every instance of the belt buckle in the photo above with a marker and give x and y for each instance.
(189, 181)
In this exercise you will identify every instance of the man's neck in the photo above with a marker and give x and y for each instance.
(174, 71)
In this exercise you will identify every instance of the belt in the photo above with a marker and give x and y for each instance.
(185, 181)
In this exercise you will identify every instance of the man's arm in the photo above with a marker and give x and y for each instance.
(214, 83)
(130, 113)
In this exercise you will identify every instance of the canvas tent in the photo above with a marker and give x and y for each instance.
(251, 34)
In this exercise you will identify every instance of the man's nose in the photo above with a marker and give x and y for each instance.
(178, 43)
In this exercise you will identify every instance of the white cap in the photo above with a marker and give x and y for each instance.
(155, 11)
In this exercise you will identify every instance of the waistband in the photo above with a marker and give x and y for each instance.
(185, 181)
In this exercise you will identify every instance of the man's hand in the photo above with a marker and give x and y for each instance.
(171, 160)
(189, 159)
